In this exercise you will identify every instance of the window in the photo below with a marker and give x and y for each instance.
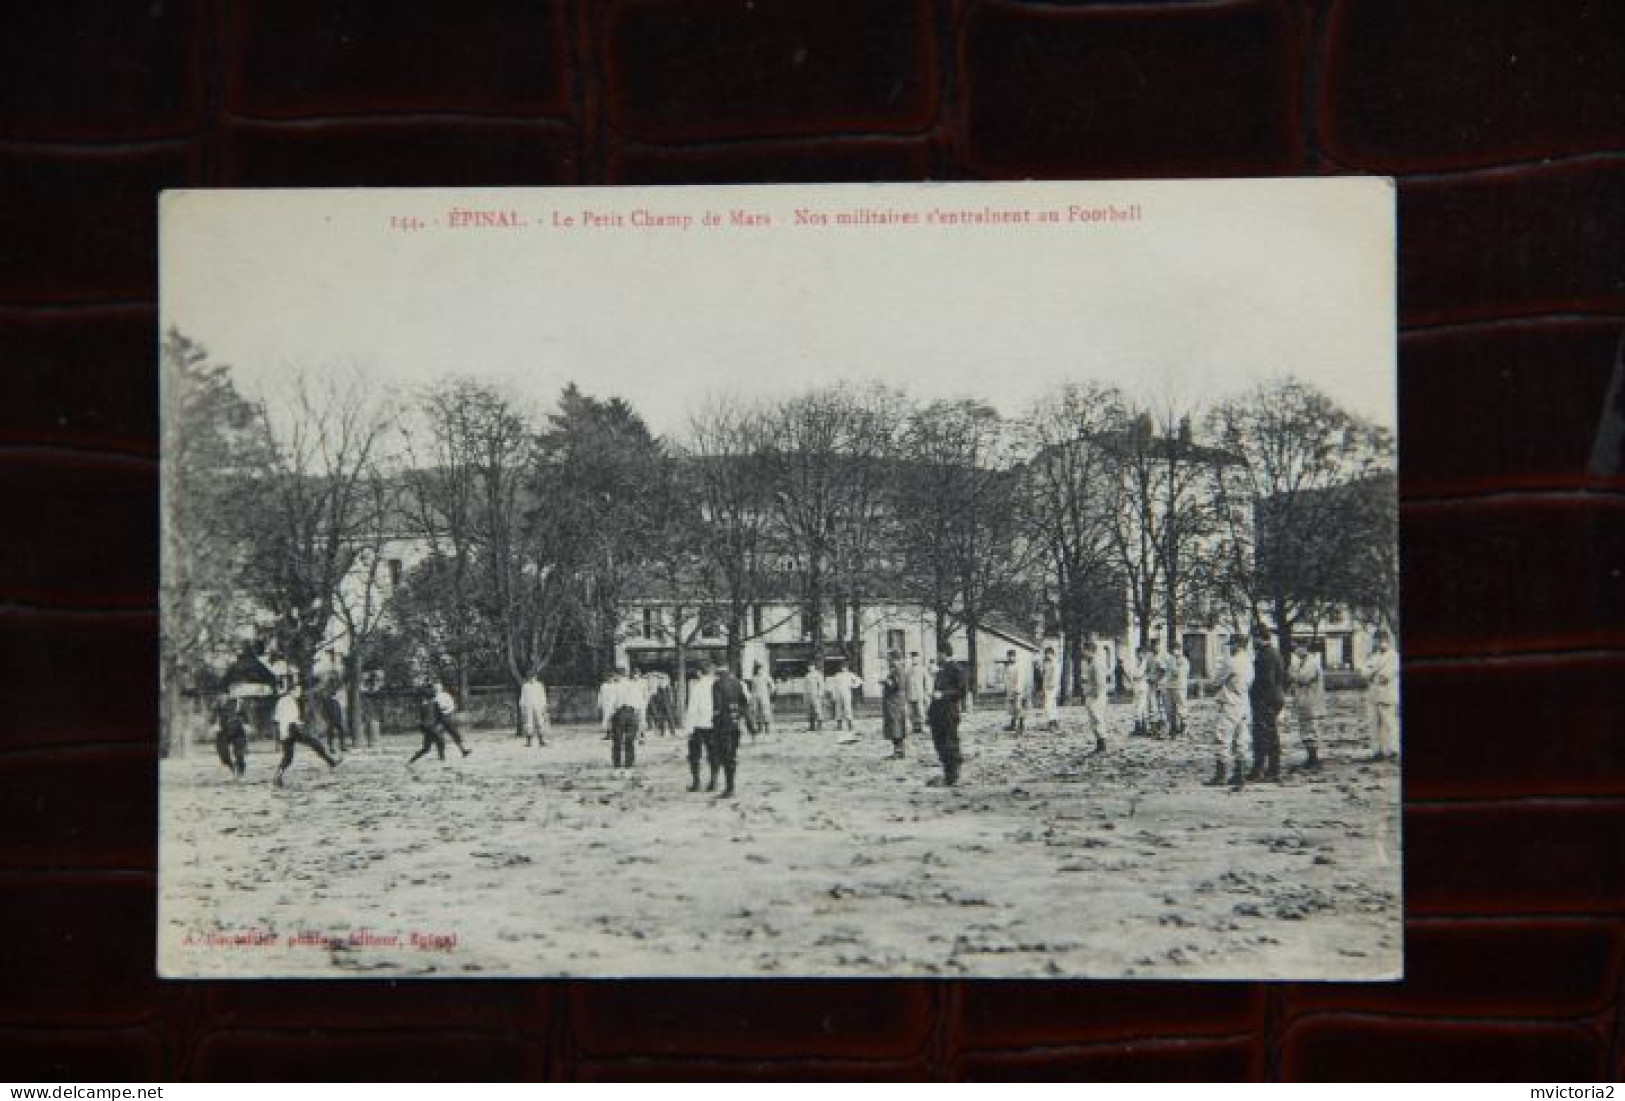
(756, 619)
(710, 623)
(649, 623)
(395, 569)
(894, 642)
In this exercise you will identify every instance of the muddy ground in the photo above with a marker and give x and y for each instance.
(833, 860)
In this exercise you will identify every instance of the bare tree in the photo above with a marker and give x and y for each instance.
(445, 449)
(827, 455)
(1294, 507)
(740, 561)
(865, 534)
(959, 512)
(1071, 495)
(215, 455)
(501, 543)
(318, 503)
(362, 601)
(1164, 519)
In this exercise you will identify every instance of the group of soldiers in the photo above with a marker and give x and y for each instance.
(1253, 687)
(317, 722)
(721, 707)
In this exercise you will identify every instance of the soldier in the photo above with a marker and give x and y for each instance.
(1132, 665)
(918, 687)
(842, 683)
(698, 722)
(730, 708)
(1015, 692)
(1049, 688)
(433, 726)
(609, 698)
(1230, 726)
(947, 697)
(1155, 665)
(339, 736)
(533, 722)
(638, 692)
(618, 708)
(1178, 688)
(231, 736)
(893, 705)
(1308, 680)
(813, 689)
(1267, 697)
(445, 708)
(663, 705)
(1096, 685)
(762, 690)
(1381, 673)
(290, 722)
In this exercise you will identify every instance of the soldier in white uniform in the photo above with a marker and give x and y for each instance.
(1177, 685)
(1154, 665)
(842, 683)
(1381, 674)
(697, 722)
(289, 717)
(533, 723)
(1232, 727)
(1015, 692)
(1307, 678)
(917, 690)
(1132, 666)
(813, 688)
(1097, 678)
(762, 690)
(1049, 687)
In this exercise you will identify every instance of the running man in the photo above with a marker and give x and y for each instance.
(290, 723)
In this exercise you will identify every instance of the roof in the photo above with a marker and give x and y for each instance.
(1008, 635)
(249, 669)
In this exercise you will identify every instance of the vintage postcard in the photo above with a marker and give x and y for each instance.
(924, 580)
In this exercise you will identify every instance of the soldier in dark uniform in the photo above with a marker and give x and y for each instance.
(434, 724)
(947, 698)
(231, 737)
(894, 704)
(339, 736)
(1267, 696)
(623, 734)
(730, 707)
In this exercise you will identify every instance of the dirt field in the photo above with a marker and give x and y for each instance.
(833, 860)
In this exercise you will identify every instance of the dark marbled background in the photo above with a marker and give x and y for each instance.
(1504, 121)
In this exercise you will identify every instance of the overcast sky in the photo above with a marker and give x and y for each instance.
(1215, 287)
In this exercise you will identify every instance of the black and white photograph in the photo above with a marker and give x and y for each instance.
(948, 580)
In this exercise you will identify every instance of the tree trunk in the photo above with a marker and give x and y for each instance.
(175, 721)
(352, 694)
(857, 637)
(815, 609)
(971, 622)
(1072, 664)
(736, 642)
(679, 688)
